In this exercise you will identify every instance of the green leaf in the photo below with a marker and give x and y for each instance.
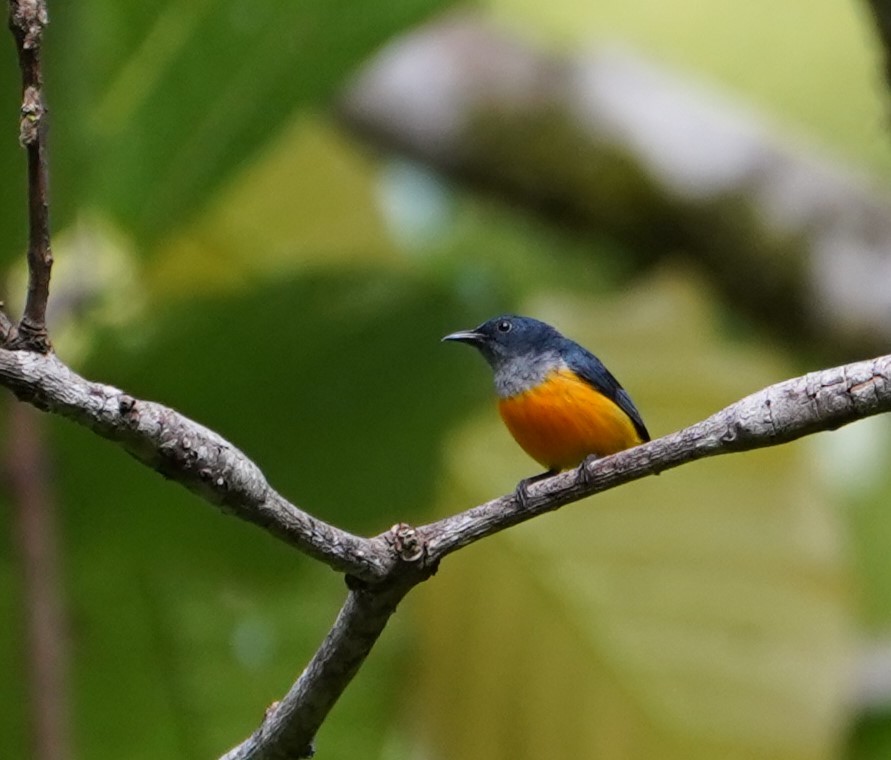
(156, 104)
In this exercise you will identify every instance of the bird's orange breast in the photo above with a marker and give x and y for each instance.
(563, 420)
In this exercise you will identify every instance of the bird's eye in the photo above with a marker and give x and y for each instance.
(504, 326)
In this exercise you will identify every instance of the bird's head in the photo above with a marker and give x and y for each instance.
(506, 339)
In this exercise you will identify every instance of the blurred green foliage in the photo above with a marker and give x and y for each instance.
(224, 250)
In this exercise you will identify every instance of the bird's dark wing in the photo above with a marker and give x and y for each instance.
(592, 370)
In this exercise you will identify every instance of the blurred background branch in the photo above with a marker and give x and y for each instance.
(45, 622)
(614, 145)
(881, 13)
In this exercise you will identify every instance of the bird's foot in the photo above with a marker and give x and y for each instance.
(522, 492)
(584, 474)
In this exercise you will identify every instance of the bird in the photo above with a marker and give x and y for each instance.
(557, 399)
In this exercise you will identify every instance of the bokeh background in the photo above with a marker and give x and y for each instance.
(229, 243)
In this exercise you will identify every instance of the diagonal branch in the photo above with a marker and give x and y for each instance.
(204, 462)
(27, 19)
(780, 413)
(190, 454)
(289, 726)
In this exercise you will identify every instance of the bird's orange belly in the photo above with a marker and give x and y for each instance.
(563, 420)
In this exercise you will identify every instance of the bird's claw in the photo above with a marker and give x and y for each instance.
(584, 474)
(521, 494)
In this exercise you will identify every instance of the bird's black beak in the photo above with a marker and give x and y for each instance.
(466, 336)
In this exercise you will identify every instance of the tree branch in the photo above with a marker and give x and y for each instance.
(611, 144)
(386, 567)
(27, 19)
(190, 454)
(289, 726)
(818, 401)
(383, 569)
(780, 413)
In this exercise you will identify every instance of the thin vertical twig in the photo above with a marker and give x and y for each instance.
(27, 20)
(27, 471)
